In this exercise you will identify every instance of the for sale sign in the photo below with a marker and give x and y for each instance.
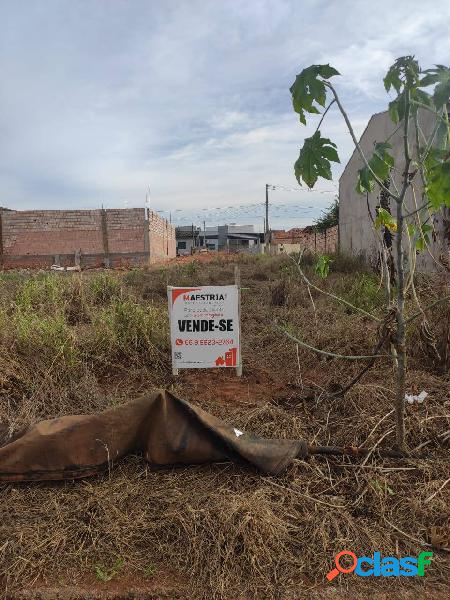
(204, 326)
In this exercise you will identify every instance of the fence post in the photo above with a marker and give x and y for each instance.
(1, 237)
(105, 239)
(146, 235)
(237, 281)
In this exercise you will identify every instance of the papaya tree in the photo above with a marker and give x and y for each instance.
(424, 166)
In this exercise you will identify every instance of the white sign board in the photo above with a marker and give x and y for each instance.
(204, 327)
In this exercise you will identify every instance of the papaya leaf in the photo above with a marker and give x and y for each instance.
(322, 266)
(394, 111)
(438, 178)
(384, 218)
(440, 75)
(309, 88)
(365, 181)
(380, 164)
(405, 71)
(411, 229)
(314, 159)
(417, 97)
(424, 239)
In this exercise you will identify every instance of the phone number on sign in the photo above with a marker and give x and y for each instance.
(222, 342)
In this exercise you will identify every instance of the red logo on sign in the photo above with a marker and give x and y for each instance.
(179, 342)
(178, 291)
(230, 358)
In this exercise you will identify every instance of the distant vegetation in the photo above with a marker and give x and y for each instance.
(329, 218)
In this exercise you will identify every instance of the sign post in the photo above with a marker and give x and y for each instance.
(205, 327)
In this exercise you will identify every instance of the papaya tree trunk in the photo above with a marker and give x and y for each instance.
(400, 334)
(400, 345)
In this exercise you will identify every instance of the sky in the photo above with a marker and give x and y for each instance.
(186, 102)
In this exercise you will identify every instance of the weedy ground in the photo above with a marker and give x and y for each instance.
(80, 342)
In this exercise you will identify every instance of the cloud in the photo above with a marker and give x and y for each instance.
(101, 100)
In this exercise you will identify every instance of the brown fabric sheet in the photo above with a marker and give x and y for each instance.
(164, 428)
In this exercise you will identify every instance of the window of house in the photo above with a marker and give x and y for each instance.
(181, 245)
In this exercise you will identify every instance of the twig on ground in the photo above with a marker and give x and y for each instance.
(437, 491)
(329, 294)
(418, 314)
(324, 352)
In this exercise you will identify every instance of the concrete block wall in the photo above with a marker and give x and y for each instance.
(114, 237)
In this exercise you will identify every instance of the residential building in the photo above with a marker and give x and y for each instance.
(224, 238)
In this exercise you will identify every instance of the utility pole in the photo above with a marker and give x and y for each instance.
(204, 233)
(266, 220)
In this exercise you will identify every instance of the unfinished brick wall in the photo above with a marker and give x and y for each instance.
(327, 241)
(162, 238)
(112, 237)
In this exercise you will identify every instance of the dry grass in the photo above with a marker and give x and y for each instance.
(79, 343)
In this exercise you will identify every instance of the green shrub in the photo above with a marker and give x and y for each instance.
(44, 294)
(126, 328)
(190, 269)
(45, 337)
(104, 287)
(76, 301)
(365, 292)
(135, 278)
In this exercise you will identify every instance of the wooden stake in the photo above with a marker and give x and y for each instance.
(237, 282)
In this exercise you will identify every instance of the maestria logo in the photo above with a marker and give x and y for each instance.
(176, 293)
(204, 297)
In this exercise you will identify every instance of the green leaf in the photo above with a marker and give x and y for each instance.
(309, 88)
(392, 79)
(440, 75)
(393, 111)
(422, 97)
(365, 181)
(438, 178)
(380, 164)
(314, 159)
(404, 72)
(428, 80)
(322, 266)
(411, 229)
(384, 218)
(327, 71)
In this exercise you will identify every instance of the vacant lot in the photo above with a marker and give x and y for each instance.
(80, 342)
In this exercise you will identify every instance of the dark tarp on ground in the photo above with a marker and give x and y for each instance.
(164, 428)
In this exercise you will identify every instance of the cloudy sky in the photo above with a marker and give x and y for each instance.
(101, 99)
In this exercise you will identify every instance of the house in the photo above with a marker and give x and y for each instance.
(228, 238)
(356, 212)
(187, 239)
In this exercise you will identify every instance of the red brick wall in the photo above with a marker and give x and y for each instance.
(125, 229)
(162, 238)
(326, 241)
(34, 238)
